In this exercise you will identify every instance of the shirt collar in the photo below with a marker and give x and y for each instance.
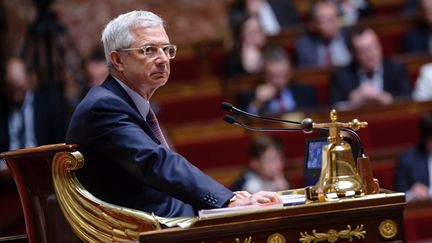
(141, 103)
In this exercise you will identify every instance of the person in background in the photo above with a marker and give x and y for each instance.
(418, 40)
(370, 78)
(95, 68)
(29, 116)
(246, 57)
(266, 167)
(274, 15)
(423, 86)
(324, 45)
(279, 92)
(128, 162)
(414, 167)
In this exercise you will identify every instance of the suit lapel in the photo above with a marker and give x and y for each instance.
(111, 84)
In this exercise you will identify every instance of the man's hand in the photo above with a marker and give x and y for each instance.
(420, 191)
(243, 198)
(267, 197)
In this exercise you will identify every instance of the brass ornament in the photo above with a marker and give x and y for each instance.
(333, 235)
(388, 229)
(246, 240)
(276, 238)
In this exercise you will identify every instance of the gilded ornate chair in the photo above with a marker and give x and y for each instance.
(58, 209)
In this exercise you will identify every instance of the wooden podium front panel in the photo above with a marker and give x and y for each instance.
(330, 221)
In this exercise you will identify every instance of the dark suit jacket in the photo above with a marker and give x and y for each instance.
(417, 40)
(126, 165)
(304, 96)
(306, 48)
(345, 79)
(49, 120)
(412, 167)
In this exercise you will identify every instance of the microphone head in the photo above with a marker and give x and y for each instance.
(226, 106)
(307, 125)
(230, 119)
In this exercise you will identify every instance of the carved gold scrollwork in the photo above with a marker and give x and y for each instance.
(333, 235)
(388, 229)
(246, 240)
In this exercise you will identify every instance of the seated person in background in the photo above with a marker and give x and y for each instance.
(95, 68)
(414, 168)
(418, 40)
(274, 15)
(266, 167)
(325, 43)
(28, 116)
(279, 93)
(128, 162)
(423, 85)
(246, 58)
(370, 78)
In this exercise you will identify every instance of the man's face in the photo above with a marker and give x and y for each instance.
(326, 20)
(17, 81)
(367, 50)
(426, 9)
(141, 71)
(278, 73)
(271, 163)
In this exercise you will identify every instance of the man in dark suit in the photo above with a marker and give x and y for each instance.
(274, 15)
(279, 93)
(417, 40)
(414, 168)
(324, 45)
(28, 117)
(128, 162)
(370, 78)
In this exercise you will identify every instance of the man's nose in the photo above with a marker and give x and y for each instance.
(161, 57)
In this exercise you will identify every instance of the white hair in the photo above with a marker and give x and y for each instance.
(117, 33)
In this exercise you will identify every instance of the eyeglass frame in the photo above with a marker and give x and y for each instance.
(142, 48)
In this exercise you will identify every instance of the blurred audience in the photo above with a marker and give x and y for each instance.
(279, 93)
(245, 57)
(28, 116)
(370, 78)
(418, 40)
(414, 168)
(423, 85)
(273, 15)
(266, 167)
(324, 45)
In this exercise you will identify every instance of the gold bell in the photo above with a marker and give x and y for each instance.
(339, 177)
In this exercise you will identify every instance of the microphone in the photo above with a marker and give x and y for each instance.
(232, 120)
(229, 107)
(306, 125)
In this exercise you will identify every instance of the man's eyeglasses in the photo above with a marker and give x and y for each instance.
(152, 50)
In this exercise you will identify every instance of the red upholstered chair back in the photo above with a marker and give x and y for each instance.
(31, 169)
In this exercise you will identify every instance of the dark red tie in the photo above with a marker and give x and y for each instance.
(154, 126)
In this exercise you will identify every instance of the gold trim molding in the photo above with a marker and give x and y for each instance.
(388, 229)
(334, 235)
(246, 240)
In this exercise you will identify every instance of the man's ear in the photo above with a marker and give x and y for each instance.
(116, 61)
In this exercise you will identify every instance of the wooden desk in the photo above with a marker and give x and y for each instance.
(363, 216)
